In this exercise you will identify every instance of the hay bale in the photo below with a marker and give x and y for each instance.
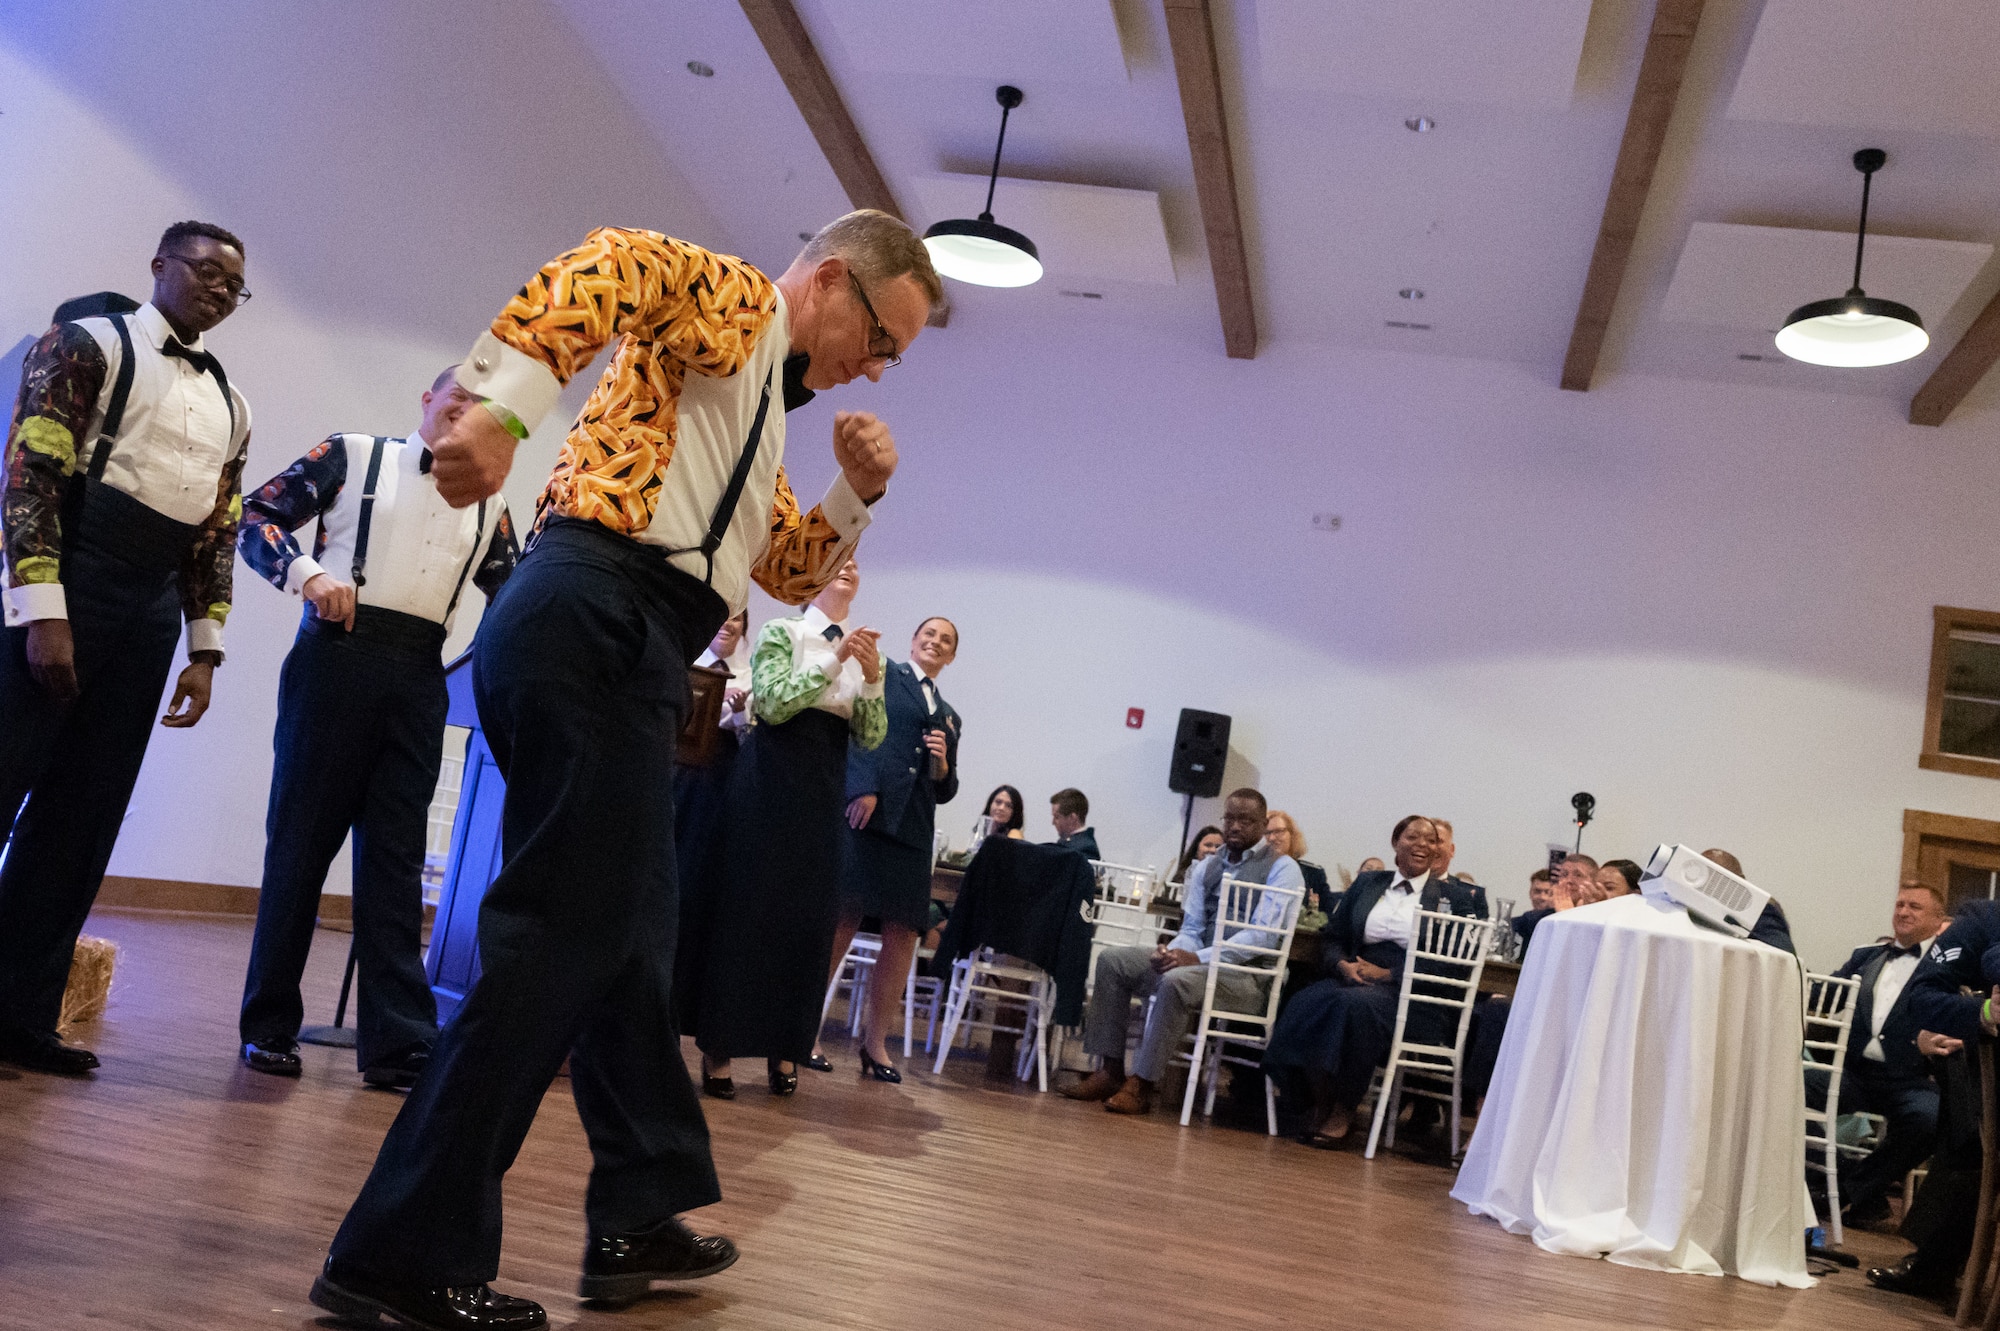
(89, 982)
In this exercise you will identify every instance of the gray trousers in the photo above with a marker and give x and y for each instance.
(1126, 973)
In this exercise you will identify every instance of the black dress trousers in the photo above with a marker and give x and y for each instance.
(67, 769)
(580, 671)
(359, 740)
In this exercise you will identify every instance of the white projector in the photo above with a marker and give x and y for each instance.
(1710, 892)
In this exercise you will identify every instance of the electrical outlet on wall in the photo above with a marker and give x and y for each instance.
(1326, 522)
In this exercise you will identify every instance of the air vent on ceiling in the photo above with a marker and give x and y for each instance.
(1405, 323)
(1085, 295)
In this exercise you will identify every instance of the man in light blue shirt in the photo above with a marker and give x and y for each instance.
(1176, 975)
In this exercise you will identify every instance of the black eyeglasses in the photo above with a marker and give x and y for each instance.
(212, 274)
(881, 338)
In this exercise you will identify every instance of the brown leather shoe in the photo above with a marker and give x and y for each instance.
(1099, 1085)
(1134, 1097)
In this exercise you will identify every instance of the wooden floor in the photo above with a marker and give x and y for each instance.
(179, 1190)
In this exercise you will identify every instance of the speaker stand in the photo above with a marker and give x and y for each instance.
(339, 1035)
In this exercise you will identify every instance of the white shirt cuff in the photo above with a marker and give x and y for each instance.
(204, 635)
(513, 378)
(35, 600)
(303, 570)
(844, 509)
(873, 690)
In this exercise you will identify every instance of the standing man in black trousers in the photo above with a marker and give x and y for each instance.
(361, 713)
(667, 498)
(124, 472)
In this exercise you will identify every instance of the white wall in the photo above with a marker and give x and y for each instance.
(1708, 605)
(391, 191)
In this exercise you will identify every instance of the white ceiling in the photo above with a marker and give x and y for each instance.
(1493, 215)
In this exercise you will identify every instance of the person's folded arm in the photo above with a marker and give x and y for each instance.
(806, 550)
(781, 690)
(280, 506)
(703, 309)
(60, 381)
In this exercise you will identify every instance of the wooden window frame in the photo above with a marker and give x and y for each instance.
(1945, 618)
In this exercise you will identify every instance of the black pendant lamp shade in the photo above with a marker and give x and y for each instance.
(978, 249)
(1856, 329)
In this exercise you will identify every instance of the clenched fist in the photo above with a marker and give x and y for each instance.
(865, 451)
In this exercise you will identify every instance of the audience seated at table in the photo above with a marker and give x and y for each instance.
(1884, 1074)
(1004, 807)
(1176, 975)
(1333, 1034)
(1575, 883)
(1541, 905)
(1281, 830)
(1946, 1020)
(1200, 846)
(1069, 811)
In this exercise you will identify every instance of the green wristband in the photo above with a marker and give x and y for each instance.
(508, 420)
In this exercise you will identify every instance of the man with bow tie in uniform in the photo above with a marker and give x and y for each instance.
(1884, 1072)
(124, 477)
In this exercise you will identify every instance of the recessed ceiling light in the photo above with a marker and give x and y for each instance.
(1420, 124)
(701, 71)
(1411, 293)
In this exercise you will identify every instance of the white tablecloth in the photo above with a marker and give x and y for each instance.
(1649, 1105)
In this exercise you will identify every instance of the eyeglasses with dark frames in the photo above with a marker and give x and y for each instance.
(212, 274)
(880, 339)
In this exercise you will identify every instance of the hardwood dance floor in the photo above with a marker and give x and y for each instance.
(180, 1190)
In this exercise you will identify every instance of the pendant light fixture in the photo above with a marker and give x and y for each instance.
(979, 249)
(1857, 328)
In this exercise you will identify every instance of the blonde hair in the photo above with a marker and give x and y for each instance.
(1291, 825)
(879, 248)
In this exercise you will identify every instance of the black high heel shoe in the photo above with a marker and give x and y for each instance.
(820, 1063)
(721, 1088)
(783, 1083)
(879, 1071)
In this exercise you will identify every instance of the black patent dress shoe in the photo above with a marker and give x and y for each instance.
(399, 1073)
(720, 1088)
(272, 1057)
(363, 1298)
(1907, 1277)
(879, 1071)
(618, 1268)
(782, 1082)
(818, 1063)
(45, 1053)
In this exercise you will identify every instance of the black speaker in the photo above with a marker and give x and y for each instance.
(1201, 749)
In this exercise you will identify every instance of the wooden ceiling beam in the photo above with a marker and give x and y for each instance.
(1191, 33)
(797, 60)
(1965, 365)
(1661, 71)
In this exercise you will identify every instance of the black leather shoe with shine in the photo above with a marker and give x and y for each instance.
(279, 1060)
(401, 1072)
(1906, 1277)
(45, 1053)
(618, 1268)
(819, 1063)
(782, 1082)
(721, 1088)
(879, 1071)
(362, 1298)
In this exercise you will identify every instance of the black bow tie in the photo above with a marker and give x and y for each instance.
(201, 360)
(1913, 950)
(832, 633)
(424, 462)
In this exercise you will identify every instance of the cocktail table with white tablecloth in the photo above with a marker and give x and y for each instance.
(1648, 1105)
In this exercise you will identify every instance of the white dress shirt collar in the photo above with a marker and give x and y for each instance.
(816, 622)
(148, 319)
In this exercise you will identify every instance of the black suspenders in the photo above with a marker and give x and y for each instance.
(378, 445)
(121, 392)
(718, 522)
(367, 509)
